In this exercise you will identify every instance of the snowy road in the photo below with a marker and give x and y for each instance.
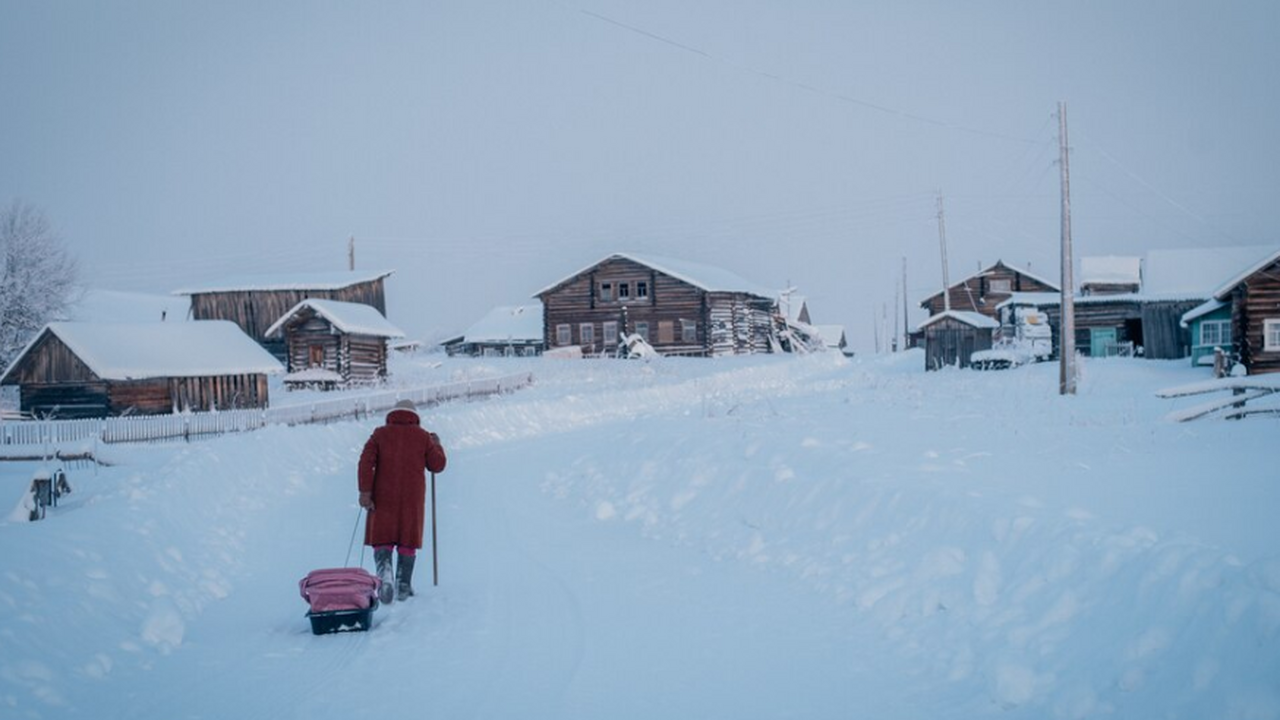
(765, 539)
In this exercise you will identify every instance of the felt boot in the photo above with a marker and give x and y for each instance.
(382, 560)
(404, 577)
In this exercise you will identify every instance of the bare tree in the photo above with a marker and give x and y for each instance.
(39, 278)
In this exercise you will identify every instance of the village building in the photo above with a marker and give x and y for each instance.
(833, 338)
(1148, 322)
(1242, 317)
(677, 307)
(952, 336)
(78, 370)
(506, 331)
(330, 343)
(983, 291)
(255, 303)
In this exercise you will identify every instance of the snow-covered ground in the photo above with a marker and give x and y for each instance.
(744, 538)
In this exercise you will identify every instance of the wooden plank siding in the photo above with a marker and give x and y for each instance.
(1254, 301)
(255, 311)
(51, 378)
(975, 294)
(720, 323)
(950, 342)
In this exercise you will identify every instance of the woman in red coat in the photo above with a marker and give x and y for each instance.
(393, 489)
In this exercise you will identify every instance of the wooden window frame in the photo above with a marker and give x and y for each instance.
(586, 334)
(642, 289)
(609, 332)
(564, 334)
(1271, 335)
(1222, 333)
(642, 329)
(689, 331)
(606, 291)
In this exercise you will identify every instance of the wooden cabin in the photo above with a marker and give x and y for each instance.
(984, 291)
(78, 370)
(330, 343)
(677, 307)
(255, 303)
(1210, 326)
(1254, 296)
(508, 331)
(952, 336)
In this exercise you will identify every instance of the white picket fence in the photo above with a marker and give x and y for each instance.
(145, 428)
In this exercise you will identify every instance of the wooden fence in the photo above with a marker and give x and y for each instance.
(145, 428)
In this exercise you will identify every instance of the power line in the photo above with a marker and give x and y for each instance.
(800, 85)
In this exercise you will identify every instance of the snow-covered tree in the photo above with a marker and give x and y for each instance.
(39, 276)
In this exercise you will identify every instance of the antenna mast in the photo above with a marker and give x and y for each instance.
(351, 253)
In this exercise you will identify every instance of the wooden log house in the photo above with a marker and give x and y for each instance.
(330, 343)
(1254, 296)
(77, 370)
(506, 331)
(679, 308)
(983, 291)
(255, 303)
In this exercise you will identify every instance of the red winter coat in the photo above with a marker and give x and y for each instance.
(391, 467)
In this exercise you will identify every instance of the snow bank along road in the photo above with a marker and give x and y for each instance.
(771, 537)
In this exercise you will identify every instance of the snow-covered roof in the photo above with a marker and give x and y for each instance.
(988, 271)
(793, 305)
(287, 281)
(1031, 298)
(1201, 310)
(1196, 273)
(831, 335)
(120, 306)
(1272, 255)
(977, 320)
(1110, 270)
(350, 318)
(508, 322)
(137, 351)
(706, 277)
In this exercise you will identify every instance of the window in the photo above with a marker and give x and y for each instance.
(642, 329)
(1215, 333)
(315, 356)
(587, 334)
(689, 331)
(610, 333)
(1001, 286)
(666, 332)
(624, 291)
(1271, 335)
(606, 291)
(564, 334)
(642, 289)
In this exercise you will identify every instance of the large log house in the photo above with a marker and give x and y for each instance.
(679, 308)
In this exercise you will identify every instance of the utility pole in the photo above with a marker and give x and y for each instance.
(942, 241)
(351, 253)
(906, 331)
(1067, 339)
(875, 328)
(893, 334)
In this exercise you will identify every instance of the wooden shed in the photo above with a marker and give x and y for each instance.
(346, 340)
(1254, 295)
(983, 291)
(75, 370)
(677, 307)
(506, 331)
(255, 303)
(952, 336)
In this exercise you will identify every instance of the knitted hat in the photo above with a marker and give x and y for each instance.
(405, 405)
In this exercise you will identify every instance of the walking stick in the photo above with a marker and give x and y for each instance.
(435, 568)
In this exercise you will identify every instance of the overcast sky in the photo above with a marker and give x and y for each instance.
(484, 150)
